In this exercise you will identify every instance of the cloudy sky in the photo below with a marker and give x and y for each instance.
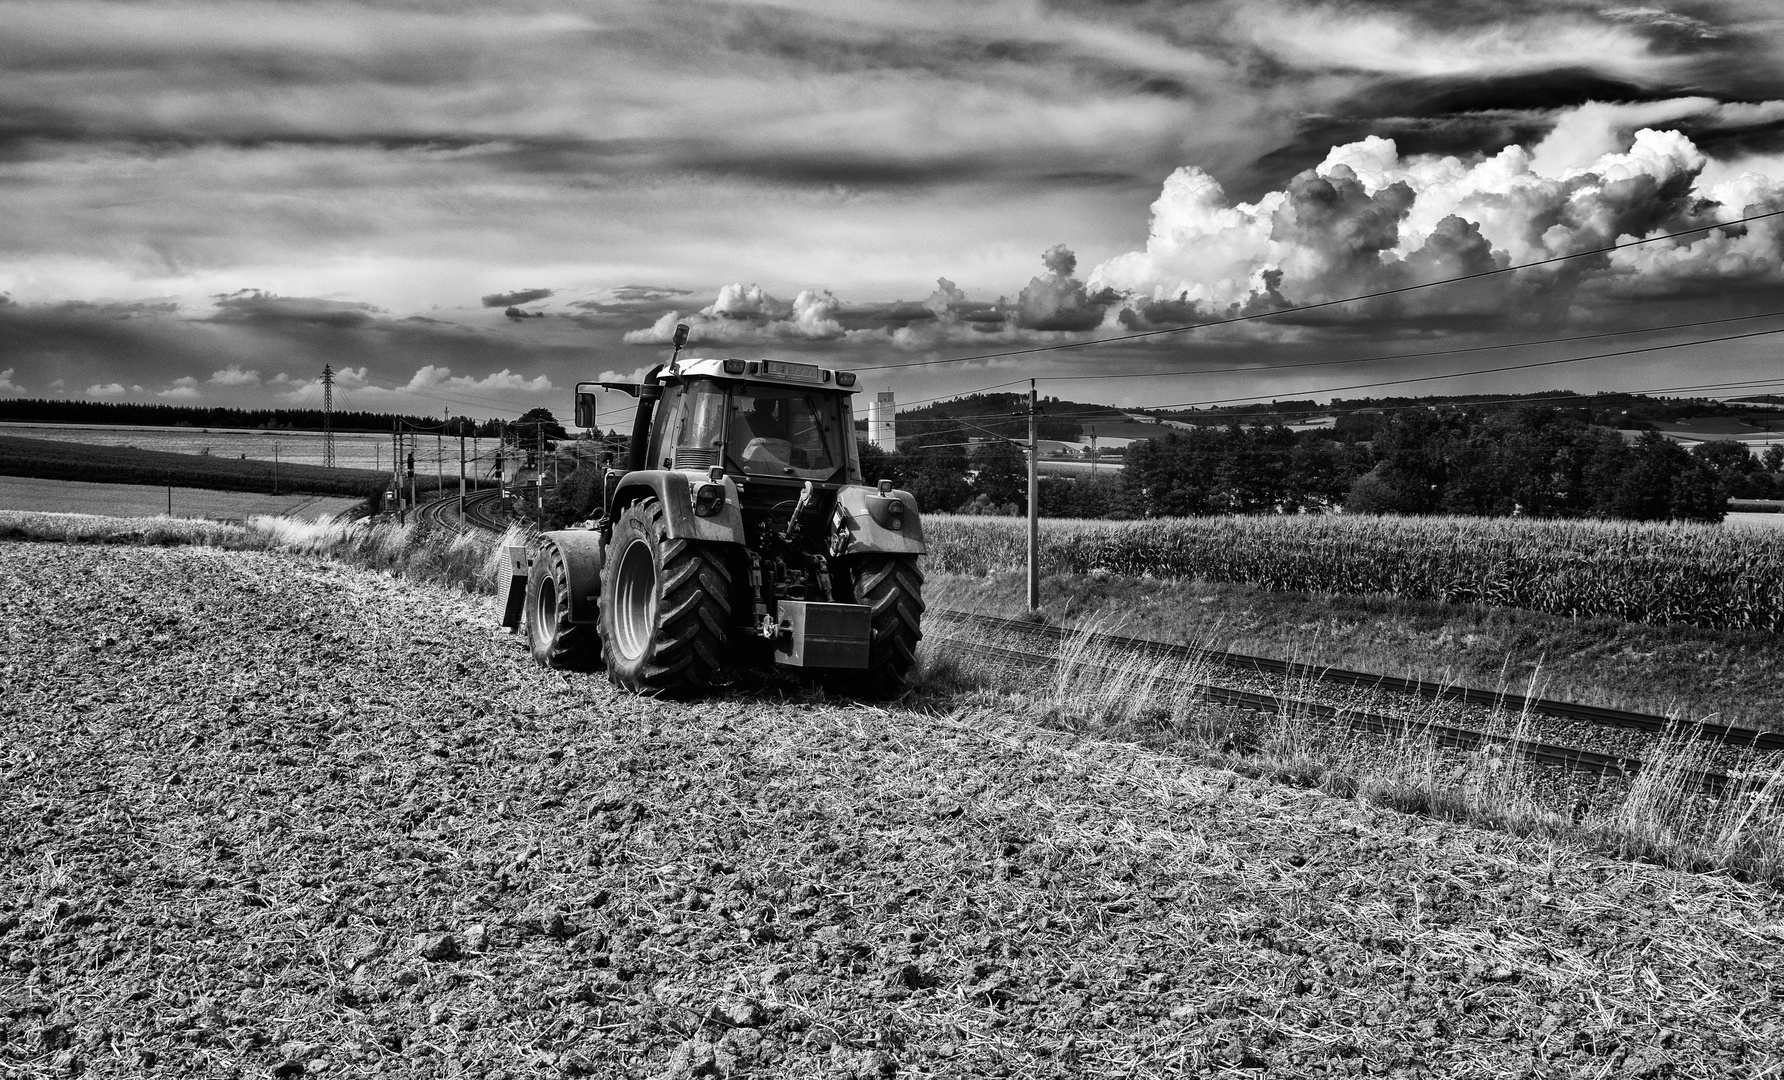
(472, 205)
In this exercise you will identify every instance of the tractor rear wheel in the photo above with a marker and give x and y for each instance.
(553, 639)
(664, 607)
(892, 588)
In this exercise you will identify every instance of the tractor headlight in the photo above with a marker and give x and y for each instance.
(709, 499)
(895, 514)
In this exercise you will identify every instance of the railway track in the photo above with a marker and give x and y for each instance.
(483, 510)
(1592, 714)
(1572, 758)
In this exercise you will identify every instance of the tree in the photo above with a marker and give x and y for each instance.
(1002, 475)
(535, 424)
(1774, 458)
(1729, 457)
(877, 464)
(1663, 482)
(936, 475)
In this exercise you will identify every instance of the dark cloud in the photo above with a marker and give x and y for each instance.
(254, 306)
(519, 296)
(1059, 301)
(517, 314)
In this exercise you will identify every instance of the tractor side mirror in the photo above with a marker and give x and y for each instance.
(585, 411)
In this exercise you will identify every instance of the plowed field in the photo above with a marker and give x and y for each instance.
(268, 817)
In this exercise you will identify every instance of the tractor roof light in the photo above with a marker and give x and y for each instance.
(845, 378)
(734, 367)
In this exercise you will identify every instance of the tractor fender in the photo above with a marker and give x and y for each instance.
(864, 525)
(676, 491)
(585, 554)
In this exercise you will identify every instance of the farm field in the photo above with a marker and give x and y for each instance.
(52, 460)
(353, 449)
(136, 500)
(1703, 575)
(285, 815)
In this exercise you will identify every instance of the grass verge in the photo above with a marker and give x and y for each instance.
(466, 561)
(1732, 676)
(1656, 817)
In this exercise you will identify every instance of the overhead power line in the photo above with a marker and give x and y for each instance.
(1320, 305)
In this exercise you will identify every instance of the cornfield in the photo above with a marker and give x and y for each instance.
(1637, 572)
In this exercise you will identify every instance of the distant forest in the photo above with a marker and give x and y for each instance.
(1532, 460)
(124, 413)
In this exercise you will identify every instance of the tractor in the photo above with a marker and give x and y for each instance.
(738, 533)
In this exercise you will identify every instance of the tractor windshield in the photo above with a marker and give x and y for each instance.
(787, 432)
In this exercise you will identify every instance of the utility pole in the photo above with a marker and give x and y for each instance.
(461, 473)
(396, 469)
(170, 496)
(539, 469)
(411, 462)
(275, 465)
(1093, 451)
(440, 456)
(1034, 499)
(328, 416)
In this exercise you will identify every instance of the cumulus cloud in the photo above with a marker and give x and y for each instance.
(184, 388)
(1059, 301)
(105, 390)
(1368, 219)
(743, 313)
(519, 296)
(7, 386)
(233, 375)
(1050, 305)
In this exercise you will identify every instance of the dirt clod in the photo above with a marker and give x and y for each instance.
(437, 946)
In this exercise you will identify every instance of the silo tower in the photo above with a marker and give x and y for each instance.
(882, 422)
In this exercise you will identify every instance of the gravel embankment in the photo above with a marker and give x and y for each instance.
(268, 817)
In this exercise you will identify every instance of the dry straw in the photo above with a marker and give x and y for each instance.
(1090, 685)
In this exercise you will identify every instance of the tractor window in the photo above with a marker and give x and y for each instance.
(666, 417)
(703, 418)
(787, 432)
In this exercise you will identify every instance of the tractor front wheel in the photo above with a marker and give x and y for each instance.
(553, 639)
(892, 588)
(664, 607)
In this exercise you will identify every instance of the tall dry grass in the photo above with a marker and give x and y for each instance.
(420, 551)
(417, 550)
(1658, 816)
(94, 529)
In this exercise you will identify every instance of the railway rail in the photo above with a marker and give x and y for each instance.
(1572, 758)
(1724, 734)
(483, 510)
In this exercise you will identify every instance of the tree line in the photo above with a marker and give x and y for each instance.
(142, 414)
(1534, 460)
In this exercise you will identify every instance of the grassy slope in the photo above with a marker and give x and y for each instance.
(57, 460)
(1596, 661)
(282, 869)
